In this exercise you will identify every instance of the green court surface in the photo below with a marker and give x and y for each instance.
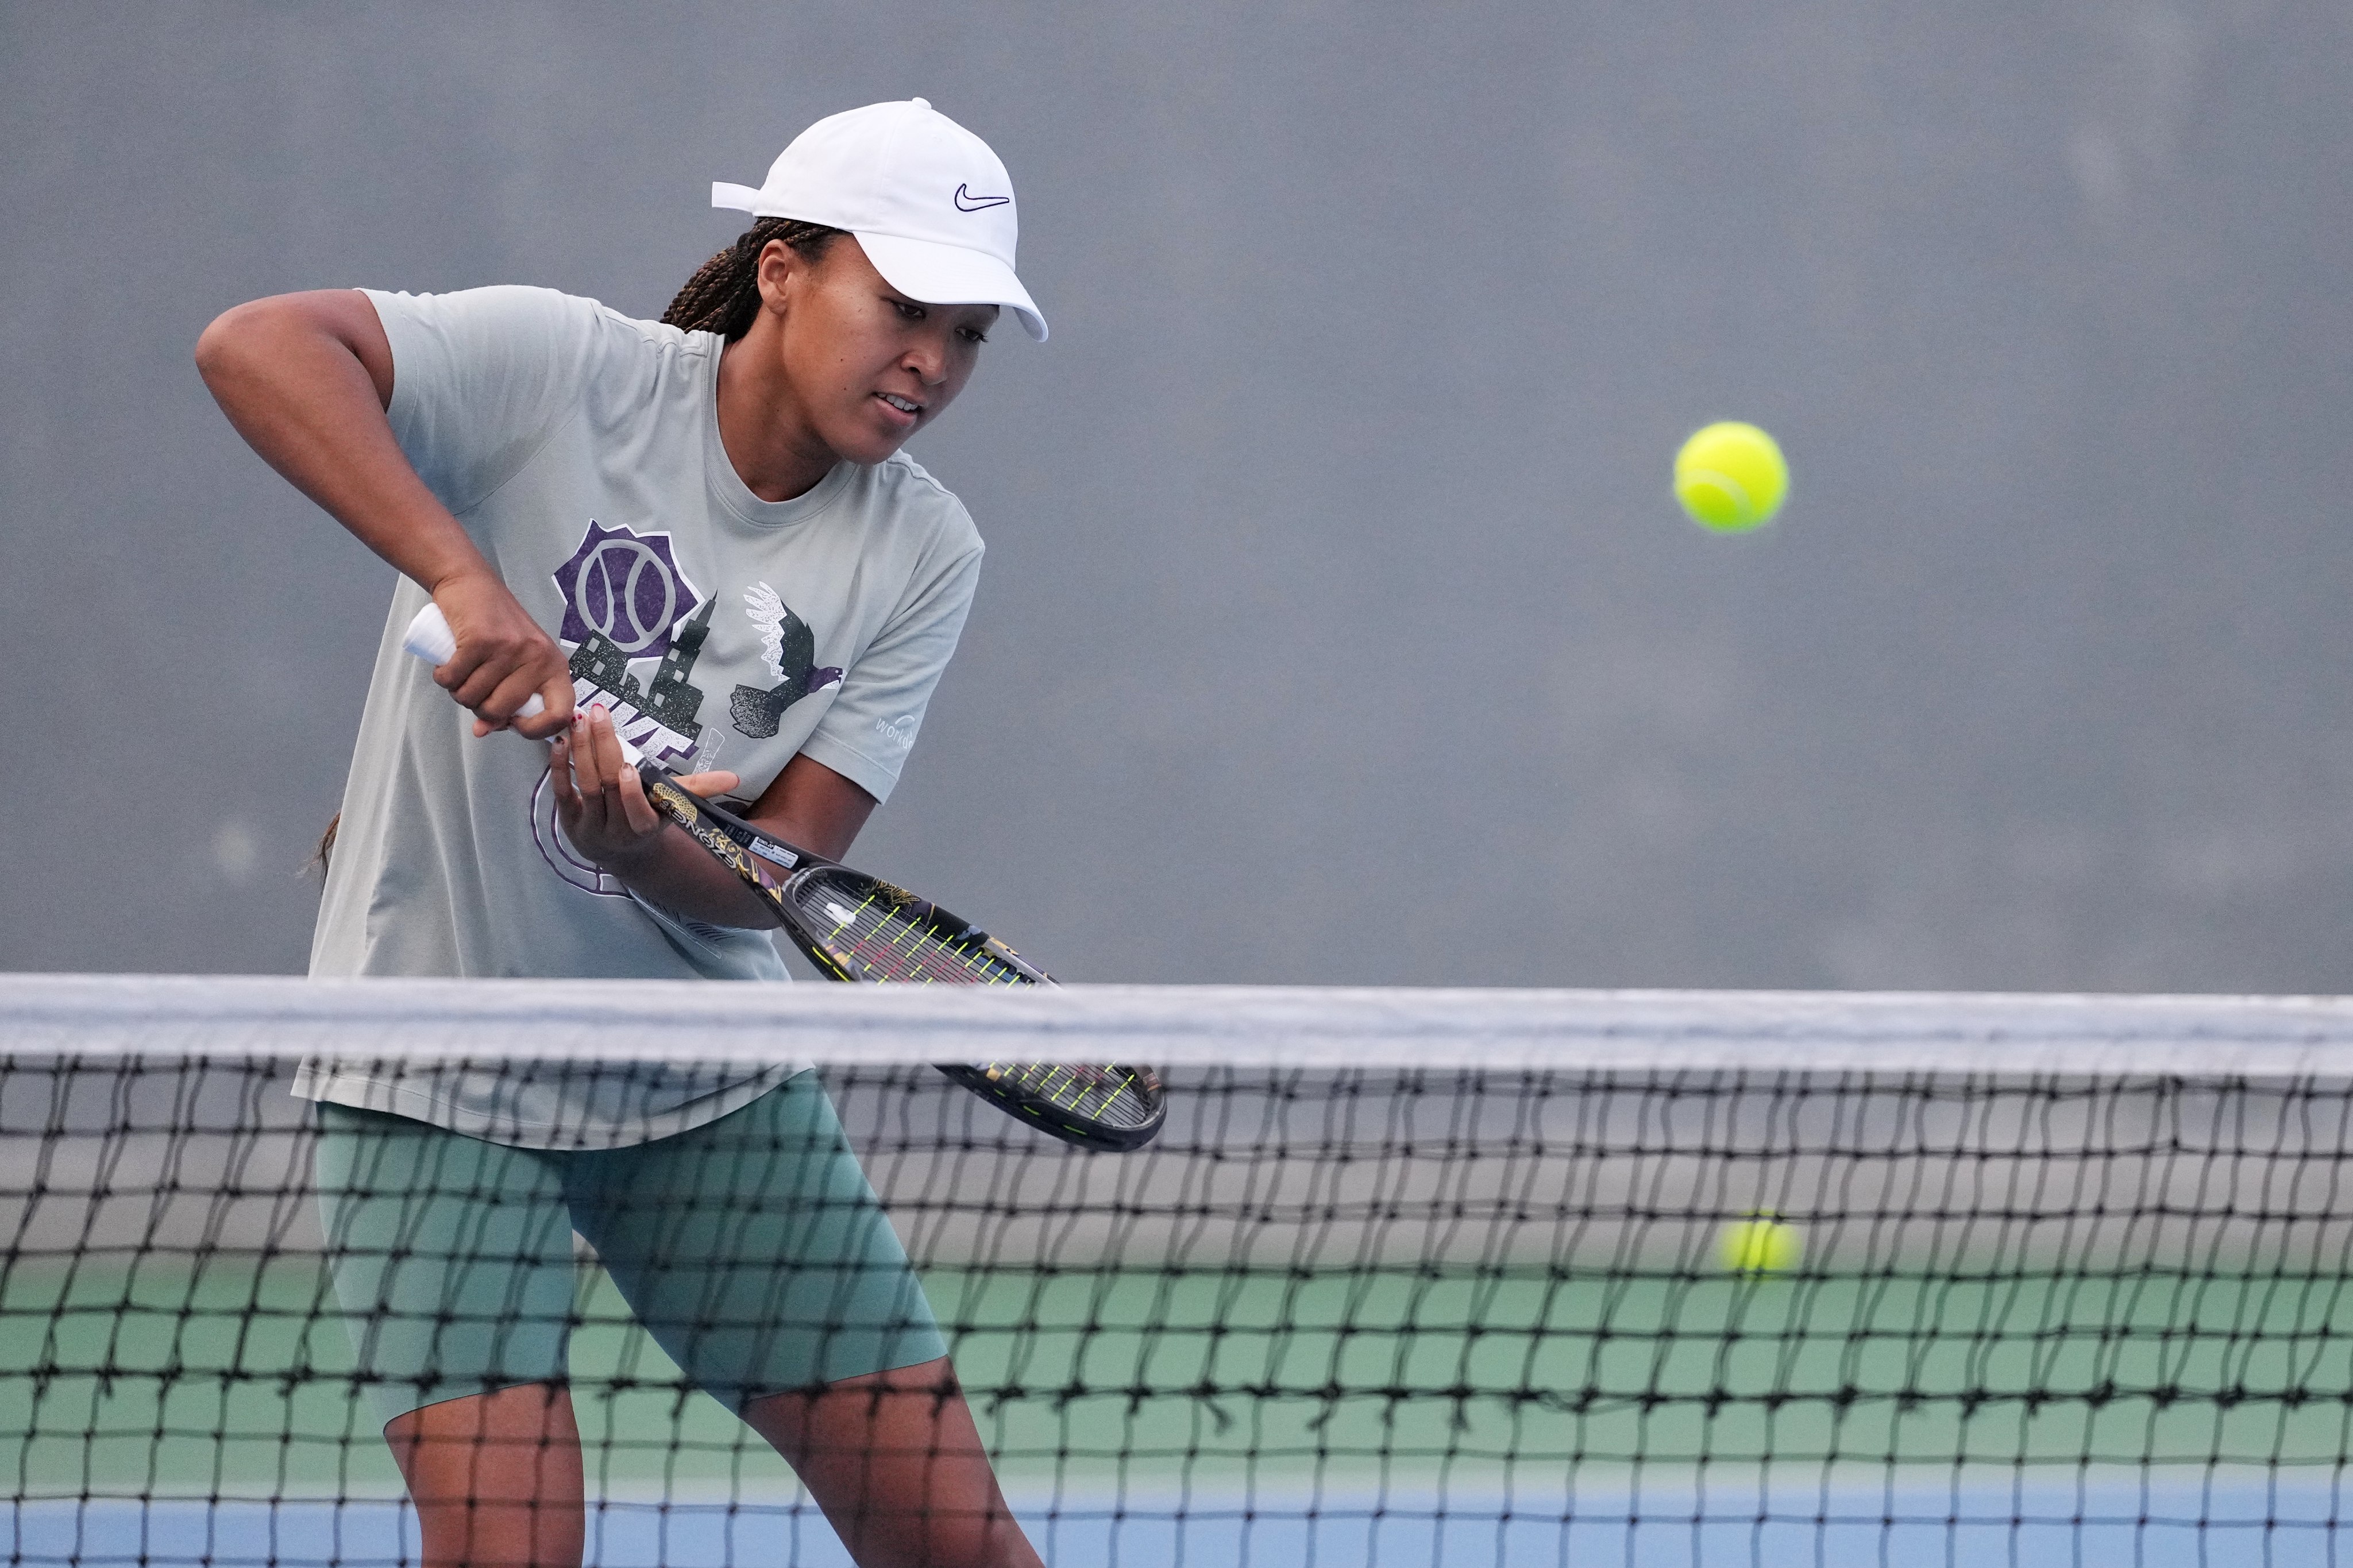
(232, 1380)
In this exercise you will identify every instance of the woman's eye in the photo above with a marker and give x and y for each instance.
(909, 311)
(975, 335)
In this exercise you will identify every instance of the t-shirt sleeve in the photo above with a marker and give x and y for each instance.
(867, 732)
(481, 378)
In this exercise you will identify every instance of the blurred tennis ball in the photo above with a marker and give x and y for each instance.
(1761, 1243)
(1731, 477)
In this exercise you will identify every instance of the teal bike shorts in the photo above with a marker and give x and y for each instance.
(751, 1249)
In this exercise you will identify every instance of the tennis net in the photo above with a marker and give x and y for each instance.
(1459, 1276)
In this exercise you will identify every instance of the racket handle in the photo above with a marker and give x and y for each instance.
(429, 637)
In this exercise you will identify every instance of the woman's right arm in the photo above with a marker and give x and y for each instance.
(306, 379)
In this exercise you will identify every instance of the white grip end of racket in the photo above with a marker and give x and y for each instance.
(429, 637)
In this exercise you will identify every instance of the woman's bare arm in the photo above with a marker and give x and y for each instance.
(306, 379)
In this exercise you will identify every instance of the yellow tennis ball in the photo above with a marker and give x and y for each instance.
(1761, 1243)
(1731, 477)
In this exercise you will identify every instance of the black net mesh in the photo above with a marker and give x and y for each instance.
(1363, 1316)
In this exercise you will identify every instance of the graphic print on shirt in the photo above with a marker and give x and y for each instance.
(627, 601)
(791, 649)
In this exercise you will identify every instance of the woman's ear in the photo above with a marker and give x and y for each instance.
(779, 269)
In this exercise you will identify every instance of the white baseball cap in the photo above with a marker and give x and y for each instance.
(930, 204)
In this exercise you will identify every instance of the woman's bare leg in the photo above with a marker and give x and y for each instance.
(496, 1478)
(895, 1460)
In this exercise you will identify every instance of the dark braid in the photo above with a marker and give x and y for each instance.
(723, 297)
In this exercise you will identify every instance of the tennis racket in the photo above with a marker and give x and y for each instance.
(854, 927)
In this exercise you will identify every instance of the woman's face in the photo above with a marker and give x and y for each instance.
(863, 365)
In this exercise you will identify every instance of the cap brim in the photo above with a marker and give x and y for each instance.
(940, 274)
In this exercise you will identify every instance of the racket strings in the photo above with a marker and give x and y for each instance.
(1116, 1095)
(871, 930)
(874, 933)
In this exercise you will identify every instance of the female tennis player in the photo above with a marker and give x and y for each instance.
(699, 536)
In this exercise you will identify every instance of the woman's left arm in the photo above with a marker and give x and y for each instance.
(813, 806)
(606, 815)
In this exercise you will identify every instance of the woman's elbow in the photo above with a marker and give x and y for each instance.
(221, 341)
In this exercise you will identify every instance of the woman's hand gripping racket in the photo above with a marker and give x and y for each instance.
(859, 928)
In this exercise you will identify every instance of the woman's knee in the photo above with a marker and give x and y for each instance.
(895, 1459)
(496, 1478)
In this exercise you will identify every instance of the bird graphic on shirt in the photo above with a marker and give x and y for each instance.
(791, 647)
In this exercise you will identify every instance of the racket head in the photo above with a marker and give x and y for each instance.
(857, 927)
(1110, 1107)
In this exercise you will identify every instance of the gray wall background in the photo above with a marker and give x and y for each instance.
(1338, 625)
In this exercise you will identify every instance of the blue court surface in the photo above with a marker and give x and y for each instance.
(2156, 1521)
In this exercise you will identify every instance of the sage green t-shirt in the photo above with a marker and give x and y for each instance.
(580, 449)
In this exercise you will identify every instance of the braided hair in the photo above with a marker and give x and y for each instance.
(723, 296)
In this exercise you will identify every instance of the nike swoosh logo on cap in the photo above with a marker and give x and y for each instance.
(968, 203)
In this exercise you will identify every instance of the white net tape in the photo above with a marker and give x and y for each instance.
(1174, 1026)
